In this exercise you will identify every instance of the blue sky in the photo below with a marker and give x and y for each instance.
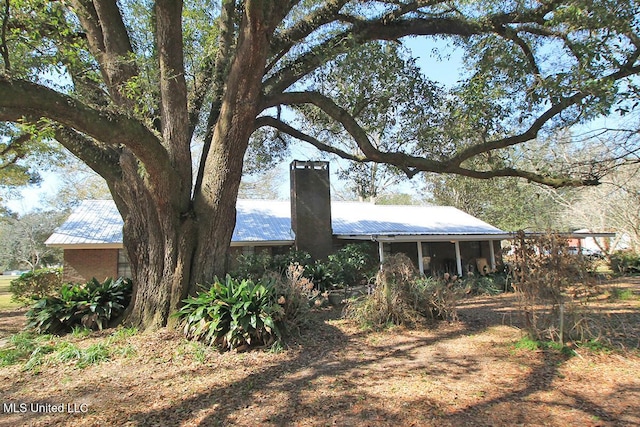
(444, 70)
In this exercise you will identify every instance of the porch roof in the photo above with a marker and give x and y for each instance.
(353, 220)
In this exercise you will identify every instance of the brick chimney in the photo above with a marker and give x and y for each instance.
(311, 207)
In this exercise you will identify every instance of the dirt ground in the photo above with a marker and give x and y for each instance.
(465, 373)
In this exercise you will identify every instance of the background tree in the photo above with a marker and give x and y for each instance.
(76, 183)
(24, 155)
(128, 87)
(612, 206)
(508, 203)
(22, 241)
(261, 185)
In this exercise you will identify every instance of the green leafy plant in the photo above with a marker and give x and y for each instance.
(36, 284)
(625, 262)
(105, 301)
(20, 346)
(93, 354)
(92, 305)
(34, 351)
(352, 264)
(527, 343)
(233, 314)
(618, 294)
(319, 274)
(26, 347)
(490, 284)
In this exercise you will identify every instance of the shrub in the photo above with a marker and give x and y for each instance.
(553, 288)
(296, 294)
(351, 265)
(625, 262)
(36, 284)
(91, 305)
(402, 297)
(491, 284)
(255, 266)
(280, 263)
(233, 314)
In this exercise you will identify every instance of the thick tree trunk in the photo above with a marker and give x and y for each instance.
(173, 245)
(159, 239)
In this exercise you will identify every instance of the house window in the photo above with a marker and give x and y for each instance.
(124, 266)
(248, 250)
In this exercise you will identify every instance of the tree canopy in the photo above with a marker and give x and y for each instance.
(129, 87)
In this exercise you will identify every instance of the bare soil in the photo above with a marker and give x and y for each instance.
(465, 373)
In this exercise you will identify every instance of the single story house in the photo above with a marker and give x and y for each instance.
(436, 238)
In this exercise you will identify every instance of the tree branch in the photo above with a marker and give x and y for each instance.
(413, 164)
(512, 35)
(109, 43)
(298, 68)
(103, 160)
(295, 133)
(532, 132)
(393, 27)
(20, 99)
(173, 89)
(283, 42)
(551, 181)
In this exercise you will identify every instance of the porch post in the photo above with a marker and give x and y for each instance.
(458, 258)
(420, 263)
(492, 254)
(381, 252)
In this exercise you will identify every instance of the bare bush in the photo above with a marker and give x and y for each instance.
(296, 294)
(553, 287)
(402, 297)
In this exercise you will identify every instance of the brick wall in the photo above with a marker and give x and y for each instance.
(80, 265)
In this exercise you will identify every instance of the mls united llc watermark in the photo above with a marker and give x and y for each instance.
(44, 408)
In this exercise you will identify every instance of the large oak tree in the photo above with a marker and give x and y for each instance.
(129, 86)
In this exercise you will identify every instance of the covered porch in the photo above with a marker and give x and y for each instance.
(437, 254)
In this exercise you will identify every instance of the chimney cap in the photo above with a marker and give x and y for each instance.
(309, 164)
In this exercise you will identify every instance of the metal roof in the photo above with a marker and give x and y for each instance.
(97, 223)
(92, 223)
(353, 218)
(263, 221)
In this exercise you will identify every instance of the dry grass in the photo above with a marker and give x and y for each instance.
(462, 373)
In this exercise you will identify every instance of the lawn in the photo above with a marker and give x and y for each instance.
(5, 295)
(471, 372)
